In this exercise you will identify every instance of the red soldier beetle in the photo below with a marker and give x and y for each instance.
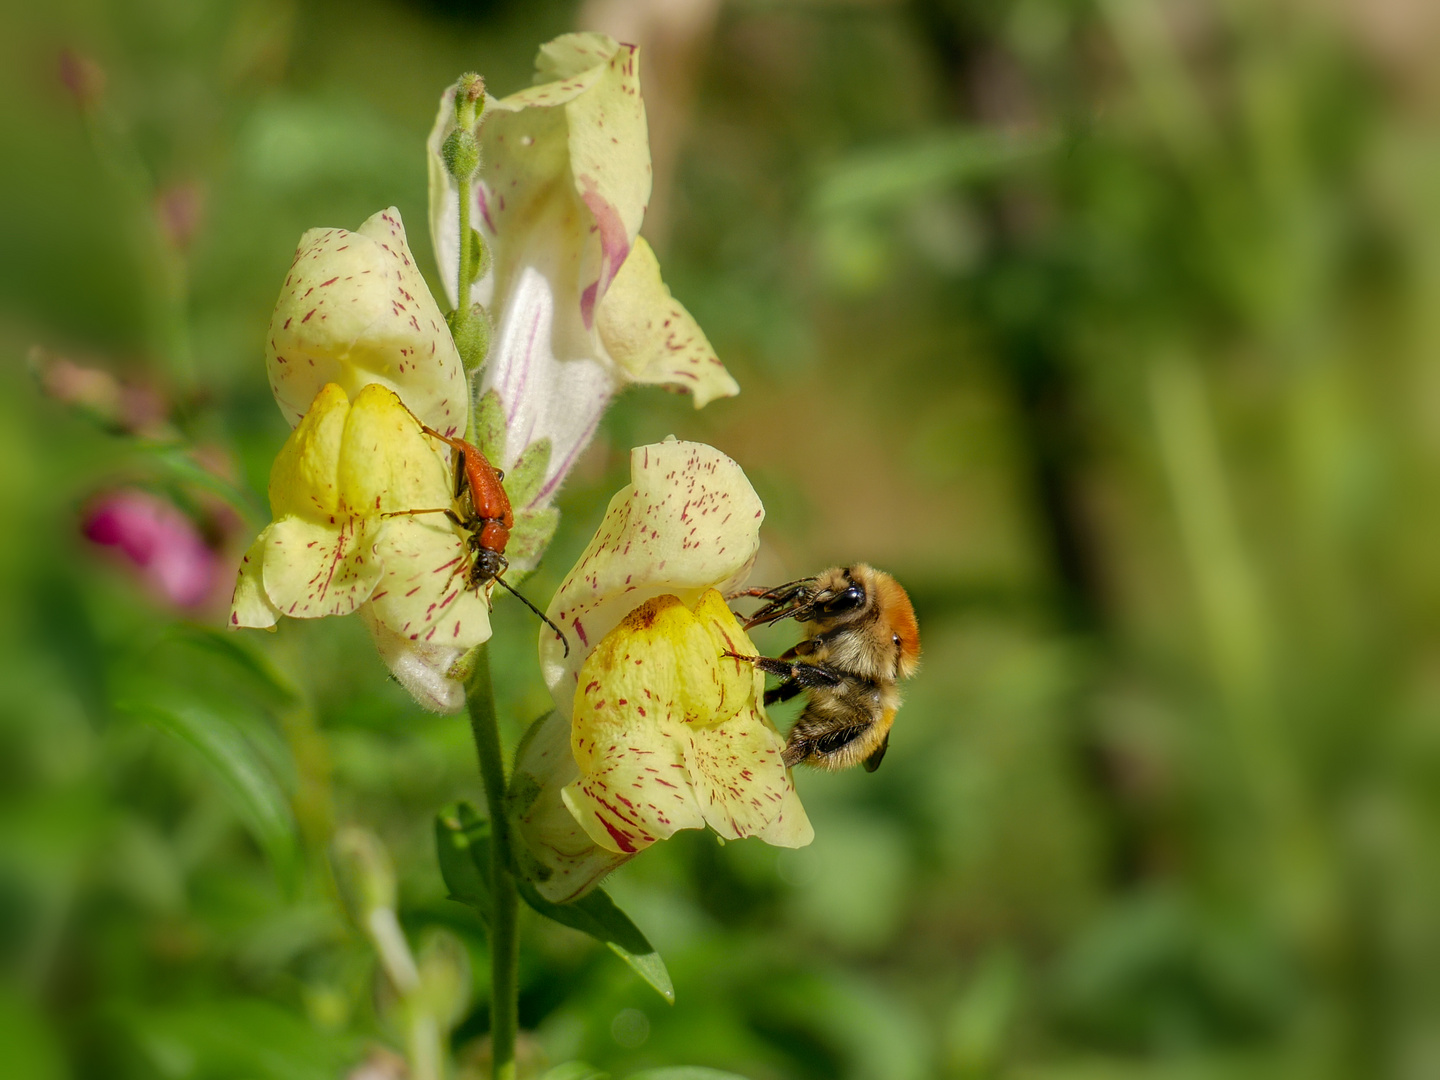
(482, 510)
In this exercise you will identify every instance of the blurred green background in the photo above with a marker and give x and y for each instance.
(1110, 327)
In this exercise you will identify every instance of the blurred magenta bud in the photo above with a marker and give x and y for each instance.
(179, 209)
(163, 544)
(82, 76)
(119, 407)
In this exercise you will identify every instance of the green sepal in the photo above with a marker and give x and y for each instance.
(462, 840)
(461, 154)
(479, 255)
(523, 481)
(490, 426)
(533, 531)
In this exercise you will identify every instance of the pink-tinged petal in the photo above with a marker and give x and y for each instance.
(159, 541)
(612, 181)
(688, 521)
(355, 310)
(544, 395)
(649, 334)
(313, 569)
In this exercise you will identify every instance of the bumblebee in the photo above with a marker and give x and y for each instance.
(861, 639)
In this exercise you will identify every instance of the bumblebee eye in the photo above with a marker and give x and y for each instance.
(848, 600)
(896, 639)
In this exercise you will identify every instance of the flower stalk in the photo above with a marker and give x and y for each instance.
(504, 938)
(461, 154)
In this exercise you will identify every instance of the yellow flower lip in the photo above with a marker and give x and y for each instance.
(341, 541)
(670, 734)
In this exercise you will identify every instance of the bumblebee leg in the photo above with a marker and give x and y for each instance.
(803, 675)
(784, 692)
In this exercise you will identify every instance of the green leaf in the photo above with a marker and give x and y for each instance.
(256, 793)
(888, 176)
(685, 1072)
(235, 1037)
(490, 426)
(522, 482)
(575, 1070)
(596, 914)
(460, 830)
(462, 839)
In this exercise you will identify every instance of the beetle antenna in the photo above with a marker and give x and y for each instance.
(543, 617)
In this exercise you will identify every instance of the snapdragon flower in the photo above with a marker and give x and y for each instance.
(334, 547)
(654, 729)
(574, 292)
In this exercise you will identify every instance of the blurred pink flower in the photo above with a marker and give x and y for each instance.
(162, 543)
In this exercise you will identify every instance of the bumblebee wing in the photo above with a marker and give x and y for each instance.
(873, 761)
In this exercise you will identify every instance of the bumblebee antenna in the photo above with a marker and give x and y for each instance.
(543, 618)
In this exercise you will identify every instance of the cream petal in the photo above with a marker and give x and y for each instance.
(249, 606)
(688, 521)
(741, 782)
(422, 669)
(559, 199)
(313, 569)
(422, 595)
(648, 333)
(557, 854)
(354, 310)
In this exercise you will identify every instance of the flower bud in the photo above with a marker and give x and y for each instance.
(363, 872)
(461, 154)
(472, 337)
(444, 976)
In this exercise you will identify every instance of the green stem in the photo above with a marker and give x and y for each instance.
(504, 938)
(465, 276)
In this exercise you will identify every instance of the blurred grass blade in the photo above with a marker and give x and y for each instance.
(227, 645)
(890, 175)
(462, 841)
(261, 802)
(176, 459)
